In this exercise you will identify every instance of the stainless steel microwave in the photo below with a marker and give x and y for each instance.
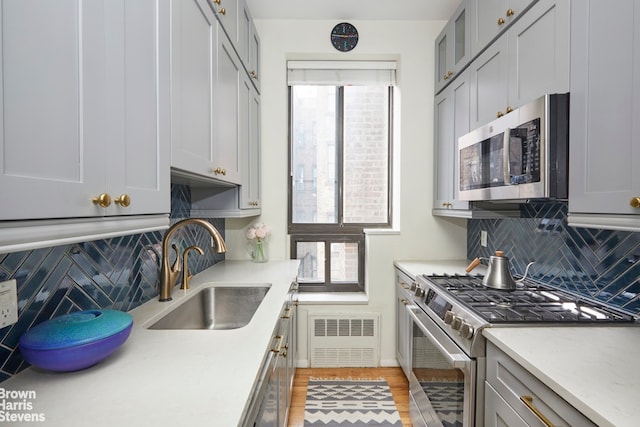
(519, 156)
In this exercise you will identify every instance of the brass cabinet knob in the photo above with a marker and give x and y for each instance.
(103, 200)
(499, 114)
(216, 1)
(447, 204)
(635, 202)
(124, 200)
(448, 75)
(510, 12)
(509, 109)
(220, 171)
(222, 11)
(253, 74)
(500, 21)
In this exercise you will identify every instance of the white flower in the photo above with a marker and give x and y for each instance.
(258, 231)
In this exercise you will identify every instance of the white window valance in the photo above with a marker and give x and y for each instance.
(341, 73)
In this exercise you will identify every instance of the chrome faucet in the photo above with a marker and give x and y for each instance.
(169, 273)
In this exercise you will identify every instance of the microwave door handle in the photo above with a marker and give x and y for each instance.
(505, 156)
(456, 360)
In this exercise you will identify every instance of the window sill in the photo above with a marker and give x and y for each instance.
(319, 298)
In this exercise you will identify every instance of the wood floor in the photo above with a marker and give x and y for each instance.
(394, 376)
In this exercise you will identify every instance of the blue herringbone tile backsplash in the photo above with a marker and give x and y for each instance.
(600, 264)
(119, 273)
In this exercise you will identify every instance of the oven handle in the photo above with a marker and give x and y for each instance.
(456, 360)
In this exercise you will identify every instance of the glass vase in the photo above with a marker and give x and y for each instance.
(259, 250)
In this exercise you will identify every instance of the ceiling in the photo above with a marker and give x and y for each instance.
(439, 10)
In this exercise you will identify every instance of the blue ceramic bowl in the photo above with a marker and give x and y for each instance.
(75, 341)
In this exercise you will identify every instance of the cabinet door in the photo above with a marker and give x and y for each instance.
(250, 141)
(244, 32)
(52, 109)
(539, 52)
(605, 106)
(452, 48)
(193, 80)
(489, 18)
(227, 12)
(138, 111)
(254, 57)
(403, 324)
(451, 122)
(497, 412)
(227, 142)
(488, 78)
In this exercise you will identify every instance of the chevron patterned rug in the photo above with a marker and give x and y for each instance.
(350, 402)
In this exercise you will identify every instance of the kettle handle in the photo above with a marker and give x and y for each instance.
(474, 264)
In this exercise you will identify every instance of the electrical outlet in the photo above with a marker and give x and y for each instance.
(483, 238)
(8, 303)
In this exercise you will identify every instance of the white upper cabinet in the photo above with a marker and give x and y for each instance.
(250, 145)
(228, 13)
(452, 47)
(489, 18)
(227, 154)
(84, 109)
(194, 80)
(530, 60)
(604, 181)
(451, 122)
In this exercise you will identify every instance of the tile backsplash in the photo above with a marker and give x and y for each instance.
(600, 264)
(119, 273)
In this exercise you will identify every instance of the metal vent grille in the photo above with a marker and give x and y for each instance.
(344, 340)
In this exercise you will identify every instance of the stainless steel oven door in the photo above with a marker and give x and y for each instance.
(442, 379)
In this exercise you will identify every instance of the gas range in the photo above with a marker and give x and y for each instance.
(462, 306)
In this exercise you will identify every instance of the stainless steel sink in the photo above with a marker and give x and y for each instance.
(215, 308)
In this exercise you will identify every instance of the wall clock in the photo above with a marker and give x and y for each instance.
(344, 37)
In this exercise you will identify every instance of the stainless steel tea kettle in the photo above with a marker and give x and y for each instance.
(498, 272)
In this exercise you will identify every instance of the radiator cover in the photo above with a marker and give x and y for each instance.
(344, 340)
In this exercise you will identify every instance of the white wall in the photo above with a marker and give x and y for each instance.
(420, 235)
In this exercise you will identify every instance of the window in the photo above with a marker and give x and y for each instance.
(340, 168)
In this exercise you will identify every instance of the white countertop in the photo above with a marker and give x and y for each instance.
(592, 368)
(168, 377)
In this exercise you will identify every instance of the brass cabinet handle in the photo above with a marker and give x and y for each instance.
(510, 12)
(635, 202)
(500, 21)
(253, 74)
(219, 171)
(216, 1)
(404, 301)
(222, 11)
(528, 400)
(448, 75)
(280, 338)
(124, 200)
(103, 200)
(288, 315)
(447, 204)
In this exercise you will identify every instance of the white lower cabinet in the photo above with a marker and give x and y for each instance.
(604, 185)
(403, 322)
(270, 404)
(514, 397)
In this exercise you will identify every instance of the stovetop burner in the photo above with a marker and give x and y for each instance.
(530, 302)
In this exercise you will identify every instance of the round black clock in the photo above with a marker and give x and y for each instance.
(344, 37)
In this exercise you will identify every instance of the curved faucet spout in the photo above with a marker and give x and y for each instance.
(169, 274)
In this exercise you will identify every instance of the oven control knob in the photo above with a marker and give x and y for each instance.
(456, 323)
(413, 287)
(420, 292)
(466, 331)
(448, 317)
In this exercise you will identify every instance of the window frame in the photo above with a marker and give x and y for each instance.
(338, 232)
